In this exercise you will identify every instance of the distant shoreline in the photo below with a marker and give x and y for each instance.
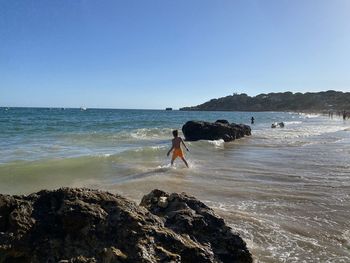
(325, 101)
(323, 112)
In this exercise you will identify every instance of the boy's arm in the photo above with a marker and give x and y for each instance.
(184, 144)
(172, 147)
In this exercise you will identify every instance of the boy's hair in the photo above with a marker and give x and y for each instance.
(175, 133)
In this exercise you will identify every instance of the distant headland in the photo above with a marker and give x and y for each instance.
(283, 101)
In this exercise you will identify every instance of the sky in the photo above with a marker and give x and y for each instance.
(168, 53)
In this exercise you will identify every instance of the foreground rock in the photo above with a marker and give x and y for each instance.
(221, 129)
(82, 225)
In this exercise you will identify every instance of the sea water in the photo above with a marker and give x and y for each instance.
(286, 191)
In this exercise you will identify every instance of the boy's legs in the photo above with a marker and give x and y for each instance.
(172, 160)
(183, 159)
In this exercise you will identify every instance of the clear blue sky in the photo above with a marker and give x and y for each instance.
(154, 54)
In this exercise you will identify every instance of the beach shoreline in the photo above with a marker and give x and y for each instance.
(284, 190)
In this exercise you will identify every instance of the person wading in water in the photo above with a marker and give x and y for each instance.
(176, 146)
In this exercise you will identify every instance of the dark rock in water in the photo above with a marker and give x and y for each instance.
(82, 225)
(221, 129)
(222, 121)
(279, 124)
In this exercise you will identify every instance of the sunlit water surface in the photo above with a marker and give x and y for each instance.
(285, 191)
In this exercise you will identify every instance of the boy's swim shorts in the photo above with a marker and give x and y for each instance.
(177, 153)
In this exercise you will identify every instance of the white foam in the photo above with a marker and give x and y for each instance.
(151, 148)
(164, 166)
(158, 147)
(301, 131)
(151, 133)
(217, 143)
(310, 115)
(293, 122)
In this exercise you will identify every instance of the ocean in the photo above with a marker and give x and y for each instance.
(286, 191)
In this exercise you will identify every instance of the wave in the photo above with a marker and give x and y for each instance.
(217, 143)
(151, 133)
(25, 176)
(310, 115)
(124, 135)
(294, 132)
(293, 122)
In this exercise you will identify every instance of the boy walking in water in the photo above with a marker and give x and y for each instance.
(177, 148)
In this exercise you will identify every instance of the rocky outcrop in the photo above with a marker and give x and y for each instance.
(82, 225)
(277, 124)
(221, 129)
(185, 215)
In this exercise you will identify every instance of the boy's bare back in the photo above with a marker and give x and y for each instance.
(177, 142)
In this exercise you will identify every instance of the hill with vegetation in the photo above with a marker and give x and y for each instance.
(284, 101)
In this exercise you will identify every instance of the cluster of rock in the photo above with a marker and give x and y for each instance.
(82, 225)
(277, 125)
(221, 129)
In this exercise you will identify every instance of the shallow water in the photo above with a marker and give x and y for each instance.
(286, 191)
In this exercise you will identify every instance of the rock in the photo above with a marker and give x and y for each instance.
(187, 216)
(221, 129)
(279, 124)
(72, 225)
(163, 202)
(222, 121)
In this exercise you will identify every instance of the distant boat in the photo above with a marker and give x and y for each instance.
(168, 108)
(83, 108)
